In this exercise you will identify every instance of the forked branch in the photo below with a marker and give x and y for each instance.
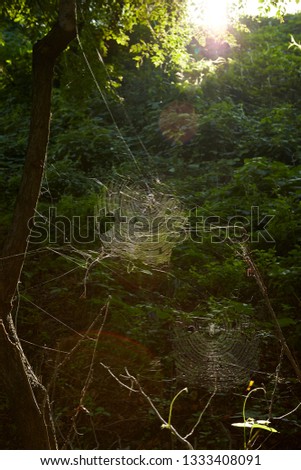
(137, 388)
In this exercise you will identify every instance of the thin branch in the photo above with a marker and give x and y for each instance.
(264, 291)
(287, 414)
(277, 372)
(51, 384)
(131, 389)
(88, 331)
(139, 389)
(89, 377)
(91, 368)
(89, 268)
(201, 415)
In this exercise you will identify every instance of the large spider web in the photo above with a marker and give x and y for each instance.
(214, 353)
(142, 221)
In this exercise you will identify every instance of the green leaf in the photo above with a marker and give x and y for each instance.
(252, 425)
(266, 428)
(242, 425)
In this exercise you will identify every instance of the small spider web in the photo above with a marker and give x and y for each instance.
(140, 222)
(214, 353)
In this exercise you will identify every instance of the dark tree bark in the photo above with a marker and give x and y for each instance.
(28, 398)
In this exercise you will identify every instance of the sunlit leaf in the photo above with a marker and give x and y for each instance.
(266, 428)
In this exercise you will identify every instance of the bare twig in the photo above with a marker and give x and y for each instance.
(140, 390)
(87, 273)
(264, 291)
(277, 372)
(86, 335)
(201, 415)
(287, 414)
(81, 408)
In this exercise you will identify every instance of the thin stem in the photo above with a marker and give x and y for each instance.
(172, 403)
(89, 377)
(244, 413)
(287, 414)
(201, 415)
(264, 292)
(139, 389)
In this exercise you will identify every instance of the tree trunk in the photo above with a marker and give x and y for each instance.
(28, 398)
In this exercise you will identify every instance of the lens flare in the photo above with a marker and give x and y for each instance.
(215, 15)
(211, 14)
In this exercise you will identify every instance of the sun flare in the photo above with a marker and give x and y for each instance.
(212, 14)
(216, 14)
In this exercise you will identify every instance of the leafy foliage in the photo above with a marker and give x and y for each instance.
(239, 169)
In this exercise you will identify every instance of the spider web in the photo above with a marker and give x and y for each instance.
(142, 221)
(214, 353)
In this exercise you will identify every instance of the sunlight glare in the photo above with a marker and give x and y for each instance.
(212, 14)
(215, 15)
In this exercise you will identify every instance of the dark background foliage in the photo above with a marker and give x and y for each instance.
(244, 153)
